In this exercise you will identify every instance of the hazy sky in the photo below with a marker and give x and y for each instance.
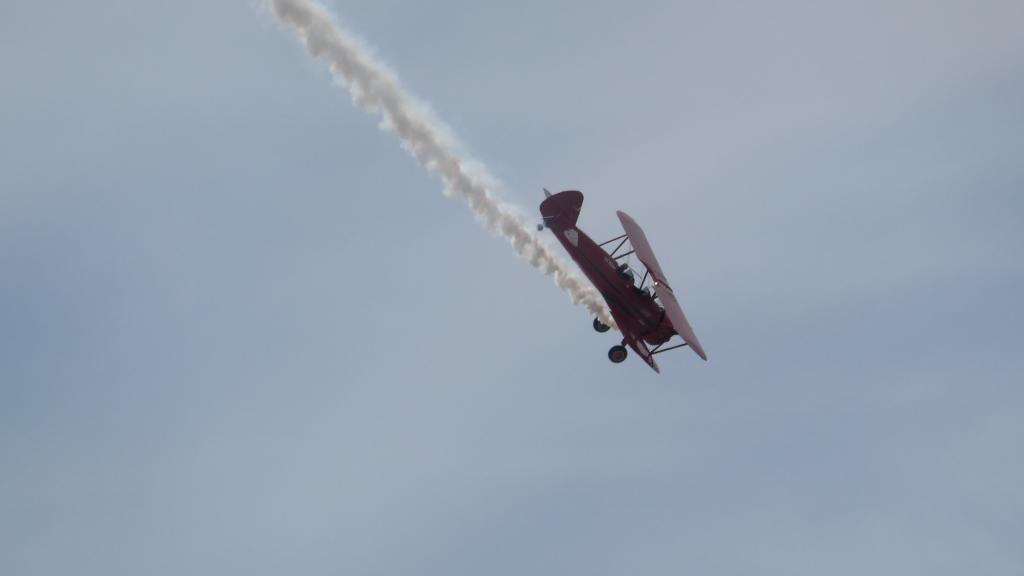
(241, 332)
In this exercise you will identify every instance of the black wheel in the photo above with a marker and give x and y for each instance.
(617, 354)
(601, 326)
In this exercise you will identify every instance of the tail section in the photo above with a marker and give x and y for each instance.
(561, 210)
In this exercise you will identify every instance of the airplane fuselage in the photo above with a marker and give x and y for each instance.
(632, 308)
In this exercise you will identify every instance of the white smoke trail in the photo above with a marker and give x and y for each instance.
(428, 140)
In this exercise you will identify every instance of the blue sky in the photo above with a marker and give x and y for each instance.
(242, 332)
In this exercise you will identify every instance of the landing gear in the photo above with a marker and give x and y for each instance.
(617, 354)
(600, 326)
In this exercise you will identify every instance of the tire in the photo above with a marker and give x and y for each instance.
(601, 326)
(617, 354)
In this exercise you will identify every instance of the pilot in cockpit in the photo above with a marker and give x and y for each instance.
(626, 273)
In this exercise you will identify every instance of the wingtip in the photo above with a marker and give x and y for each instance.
(699, 351)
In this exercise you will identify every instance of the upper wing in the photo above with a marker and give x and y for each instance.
(662, 288)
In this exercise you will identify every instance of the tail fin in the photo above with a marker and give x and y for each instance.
(563, 209)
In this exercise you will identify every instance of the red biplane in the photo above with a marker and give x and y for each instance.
(647, 318)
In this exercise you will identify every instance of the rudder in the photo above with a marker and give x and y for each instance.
(562, 210)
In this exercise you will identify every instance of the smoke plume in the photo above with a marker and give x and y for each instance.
(378, 91)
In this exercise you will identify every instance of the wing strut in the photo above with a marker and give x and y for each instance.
(658, 349)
